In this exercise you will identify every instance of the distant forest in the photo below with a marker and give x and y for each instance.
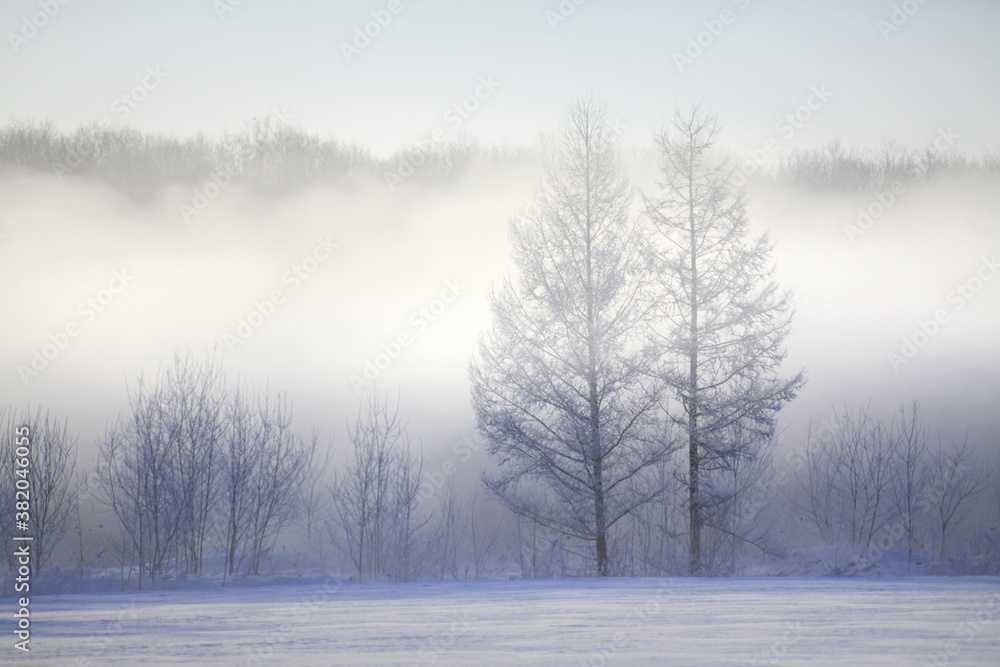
(273, 157)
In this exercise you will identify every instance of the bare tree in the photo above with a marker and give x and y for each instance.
(239, 456)
(192, 395)
(375, 495)
(848, 481)
(563, 385)
(49, 476)
(137, 480)
(866, 474)
(7, 482)
(818, 499)
(172, 435)
(909, 478)
(724, 321)
(957, 479)
(313, 487)
(280, 462)
(262, 469)
(655, 528)
(447, 537)
(990, 535)
(732, 510)
(483, 535)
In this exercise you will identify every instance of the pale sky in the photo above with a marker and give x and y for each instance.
(940, 68)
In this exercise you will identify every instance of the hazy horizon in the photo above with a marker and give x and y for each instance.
(220, 63)
(190, 284)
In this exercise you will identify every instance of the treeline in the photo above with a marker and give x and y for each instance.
(834, 167)
(195, 468)
(273, 157)
(201, 476)
(876, 483)
(192, 465)
(268, 155)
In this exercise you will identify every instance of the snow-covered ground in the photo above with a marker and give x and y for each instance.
(790, 621)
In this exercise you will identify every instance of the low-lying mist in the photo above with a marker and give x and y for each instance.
(322, 291)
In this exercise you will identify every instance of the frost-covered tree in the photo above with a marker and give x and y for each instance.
(190, 403)
(910, 466)
(957, 479)
(563, 386)
(240, 453)
(157, 466)
(138, 482)
(192, 462)
(261, 462)
(847, 488)
(736, 514)
(49, 476)
(374, 496)
(280, 458)
(723, 318)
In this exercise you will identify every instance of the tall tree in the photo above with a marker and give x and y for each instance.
(724, 321)
(564, 385)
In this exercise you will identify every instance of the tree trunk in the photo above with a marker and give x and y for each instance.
(600, 521)
(694, 508)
